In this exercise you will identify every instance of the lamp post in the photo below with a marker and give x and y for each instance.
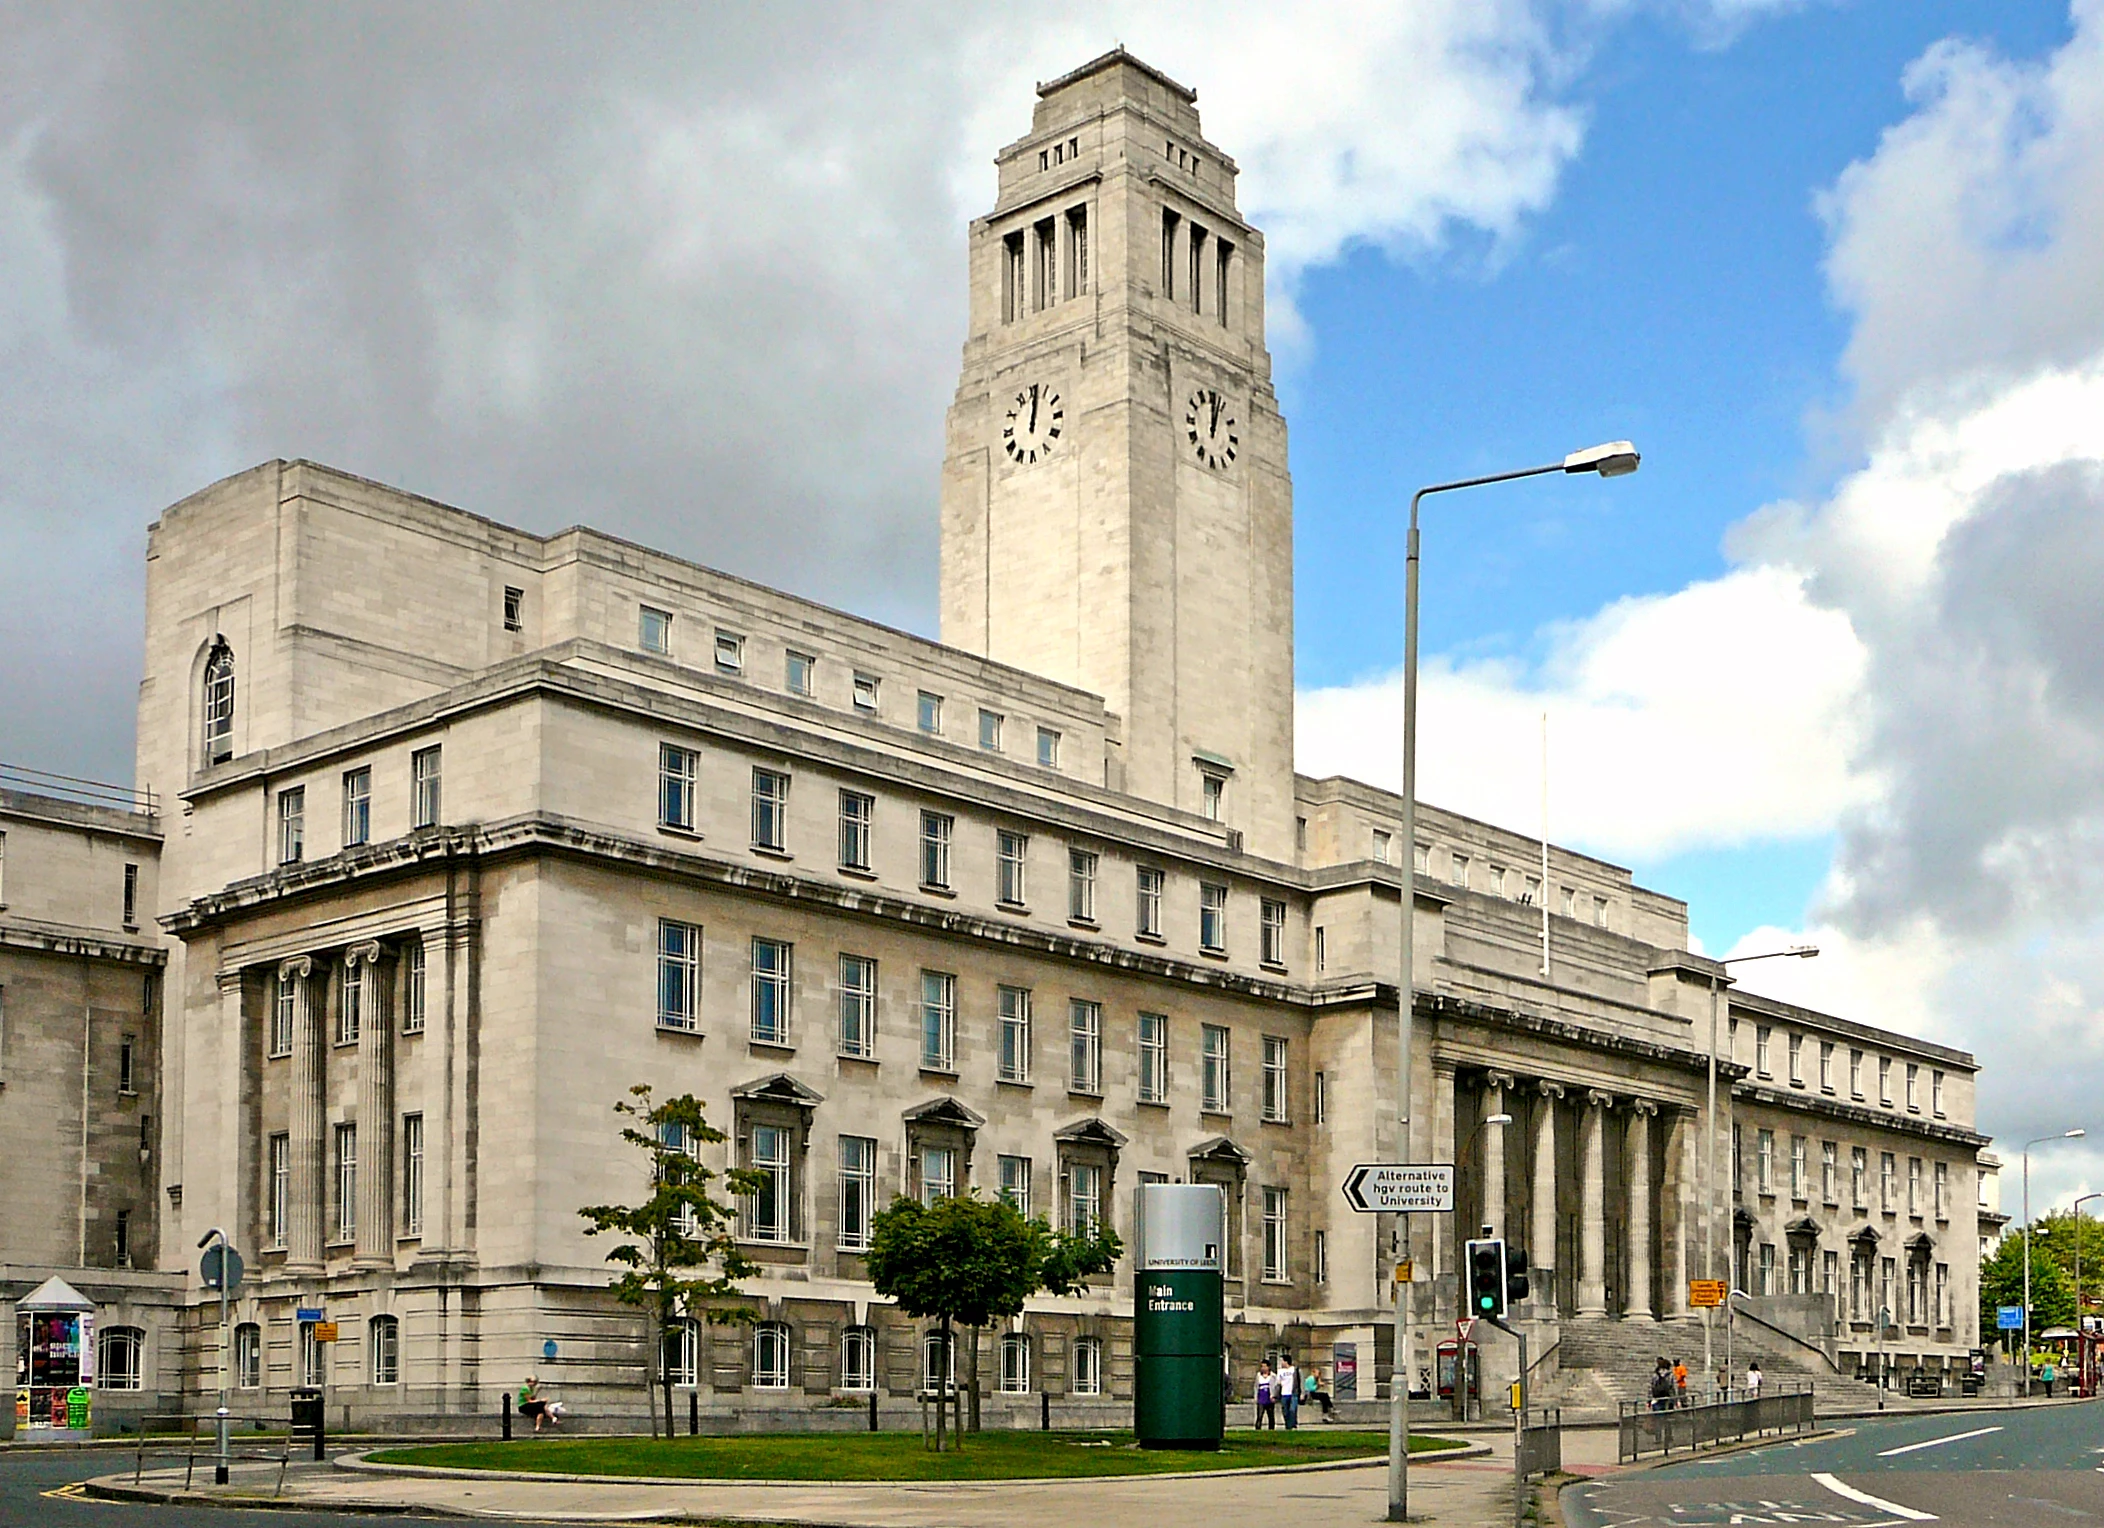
(1709, 1220)
(2075, 1134)
(1615, 459)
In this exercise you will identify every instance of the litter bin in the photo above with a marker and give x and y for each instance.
(307, 1418)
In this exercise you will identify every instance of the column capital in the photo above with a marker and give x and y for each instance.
(1548, 1089)
(1597, 1099)
(1442, 1067)
(230, 981)
(1643, 1106)
(362, 954)
(298, 967)
(1500, 1080)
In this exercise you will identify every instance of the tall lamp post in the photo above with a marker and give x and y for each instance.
(1709, 1220)
(1615, 459)
(2075, 1134)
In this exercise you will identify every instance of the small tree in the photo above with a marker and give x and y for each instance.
(969, 1261)
(680, 1227)
(2002, 1283)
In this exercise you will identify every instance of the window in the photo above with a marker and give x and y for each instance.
(248, 1356)
(1381, 842)
(936, 828)
(1826, 1066)
(1914, 1186)
(1148, 883)
(683, 1352)
(414, 986)
(1084, 1047)
(679, 975)
(1212, 917)
(858, 1358)
(514, 609)
(1855, 1074)
(1767, 1282)
(938, 1021)
(1274, 1104)
(1600, 921)
(1858, 1176)
(1047, 748)
(856, 812)
(865, 693)
(938, 1173)
(350, 1007)
(1738, 1159)
(1272, 946)
(1943, 1294)
(1322, 1103)
(357, 806)
(1829, 1171)
(1213, 788)
(858, 1005)
(1084, 1198)
(1888, 1182)
(1760, 1049)
(1274, 1233)
(770, 991)
(120, 1352)
(1081, 886)
(1322, 1258)
(730, 653)
(279, 1189)
(1322, 950)
(219, 703)
(1943, 1191)
(938, 1362)
(346, 1182)
(1913, 1088)
(1530, 892)
(1800, 1270)
(1457, 870)
(1829, 1272)
(384, 1340)
(1570, 902)
(1885, 1081)
(424, 781)
(1011, 852)
(770, 1356)
(1764, 1162)
(121, 1239)
(1088, 1366)
(1077, 243)
(1797, 1061)
(677, 769)
(282, 1013)
(412, 1175)
(1014, 298)
(127, 1063)
(1936, 1094)
(1154, 1058)
(990, 730)
(858, 1191)
(292, 826)
(131, 896)
(1013, 1006)
(1015, 1183)
(767, 1211)
(1213, 1069)
(1169, 222)
(312, 1368)
(770, 810)
(1015, 1363)
(654, 630)
(1496, 875)
(1800, 1178)
(929, 713)
(798, 671)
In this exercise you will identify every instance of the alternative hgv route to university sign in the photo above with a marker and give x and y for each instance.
(1400, 1188)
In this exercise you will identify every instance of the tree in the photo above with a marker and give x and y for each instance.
(680, 1227)
(2055, 1236)
(968, 1261)
(2052, 1291)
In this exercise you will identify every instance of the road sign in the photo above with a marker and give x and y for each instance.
(1389, 1188)
(2009, 1318)
(306, 1314)
(209, 1266)
(324, 1331)
(1465, 1327)
(1706, 1294)
(1405, 1270)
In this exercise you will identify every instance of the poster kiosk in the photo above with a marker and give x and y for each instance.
(54, 1363)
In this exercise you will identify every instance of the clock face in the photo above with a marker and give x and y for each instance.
(1035, 421)
(1209, 425)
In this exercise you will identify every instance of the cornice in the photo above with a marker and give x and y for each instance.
(1864, 1118)
(51, 939)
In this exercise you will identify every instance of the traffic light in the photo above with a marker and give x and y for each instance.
(1486, 1278)
(1515, 1276)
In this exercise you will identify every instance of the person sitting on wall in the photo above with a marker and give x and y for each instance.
(532, 1405)
(1312, 1393)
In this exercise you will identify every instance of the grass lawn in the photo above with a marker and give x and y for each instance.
(896, 1455)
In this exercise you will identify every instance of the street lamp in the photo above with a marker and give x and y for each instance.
(1709, 1220)
(1616, 458)
(2075, 1134)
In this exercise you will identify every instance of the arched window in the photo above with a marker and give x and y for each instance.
(384, 1335)
(219, 703)
(1015, 1364)
(1088, 1366)
(248, 1356)
(119, 1354)
(683, 1352)
(770, 1356)
(938, 1361)
(858, 1358)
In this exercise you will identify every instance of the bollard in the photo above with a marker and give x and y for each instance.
(1044, 1411)
(693, 1413)
(872, 1409)
(507, 1416)
(321, 1431)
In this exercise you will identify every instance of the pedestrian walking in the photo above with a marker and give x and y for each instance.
(1753, 1380)
(1661, 1385)
(1680, 1382)
(1267, 1396)
(1289, 1391)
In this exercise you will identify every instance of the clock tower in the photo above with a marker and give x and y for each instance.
(1116, 511)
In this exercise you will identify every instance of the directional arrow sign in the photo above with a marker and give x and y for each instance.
(1390, 1188)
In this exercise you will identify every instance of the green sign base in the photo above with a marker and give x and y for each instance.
(1177, 1372)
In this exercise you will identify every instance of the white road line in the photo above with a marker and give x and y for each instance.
(1977, 1432)
(1841, 1488)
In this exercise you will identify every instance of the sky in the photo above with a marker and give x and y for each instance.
(1827, 667)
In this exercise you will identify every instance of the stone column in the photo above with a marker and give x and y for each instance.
(1673, 1212)
(1542, 1252)
(1446, 1255)
(1640, 1303)
(1495, 1087)
(1592, 1223)
(303, 1196)
(375, 1231)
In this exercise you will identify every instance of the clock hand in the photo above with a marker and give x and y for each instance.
(1033, 408)
(1216, 414)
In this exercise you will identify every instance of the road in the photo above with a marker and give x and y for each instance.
(30, 1497)
(1970, 1470)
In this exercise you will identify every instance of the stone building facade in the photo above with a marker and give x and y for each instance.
(469, 829)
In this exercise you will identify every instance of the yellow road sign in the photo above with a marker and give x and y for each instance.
(324, 1331)
(1405, 1271)
(1706, 1294)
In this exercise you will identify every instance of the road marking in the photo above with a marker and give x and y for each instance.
(1842, 1488)
(1977, 1432)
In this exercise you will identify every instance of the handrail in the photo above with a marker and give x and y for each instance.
(1543, 1356)
(77, 789)
(1810, 1347)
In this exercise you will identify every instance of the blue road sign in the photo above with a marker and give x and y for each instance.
(2009, 1318)
(304, 1314)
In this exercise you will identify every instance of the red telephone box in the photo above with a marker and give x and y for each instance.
(1449, 1360)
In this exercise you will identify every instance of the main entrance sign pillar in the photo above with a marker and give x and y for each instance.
(1178, 1326)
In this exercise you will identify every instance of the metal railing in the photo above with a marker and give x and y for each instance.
(1730, 1416)
(1541, 1441)
(81, 792)
(172, 1433)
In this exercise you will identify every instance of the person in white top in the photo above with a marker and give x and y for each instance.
(1289, 1390)
(1753, 1379)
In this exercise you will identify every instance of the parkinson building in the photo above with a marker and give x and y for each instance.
(465, 830)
